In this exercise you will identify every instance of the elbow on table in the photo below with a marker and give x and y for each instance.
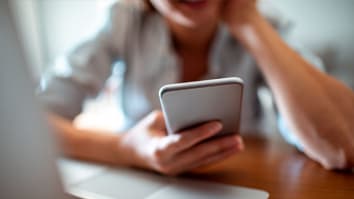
(330, 142)
(340, 162)
(339, 155)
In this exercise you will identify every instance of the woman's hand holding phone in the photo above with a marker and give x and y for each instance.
(150, 147)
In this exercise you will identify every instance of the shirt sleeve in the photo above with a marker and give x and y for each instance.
(84, 70)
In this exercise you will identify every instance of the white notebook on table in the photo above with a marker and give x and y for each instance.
(134, 184)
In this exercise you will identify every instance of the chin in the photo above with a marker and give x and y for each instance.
(192, 23)
(199, 11)
(196, 20)
(190, 13)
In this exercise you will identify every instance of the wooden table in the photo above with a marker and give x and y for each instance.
(280, 170)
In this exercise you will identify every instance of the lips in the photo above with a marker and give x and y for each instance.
(194, 3)
(191, 1)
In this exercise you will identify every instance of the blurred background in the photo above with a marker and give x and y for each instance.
(51, 27)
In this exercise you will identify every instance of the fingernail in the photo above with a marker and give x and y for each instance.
(240, 143)
(217, 126)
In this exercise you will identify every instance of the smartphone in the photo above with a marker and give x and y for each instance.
(189, 104)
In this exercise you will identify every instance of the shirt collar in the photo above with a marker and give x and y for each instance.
(214, 62)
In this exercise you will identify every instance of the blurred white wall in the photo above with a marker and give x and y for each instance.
(325, 26)
(50, 27)
(67, 22)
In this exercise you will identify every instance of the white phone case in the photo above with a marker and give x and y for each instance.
(188, 104)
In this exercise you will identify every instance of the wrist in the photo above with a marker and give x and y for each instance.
(122, 151)
(128, 152)
(115, 152)
(241, 28)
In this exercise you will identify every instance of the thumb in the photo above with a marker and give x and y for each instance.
(158, 121)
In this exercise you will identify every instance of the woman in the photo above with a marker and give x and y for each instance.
(183, 40)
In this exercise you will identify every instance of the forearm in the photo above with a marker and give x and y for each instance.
(296, 84)
(308, 98)
(89, 145)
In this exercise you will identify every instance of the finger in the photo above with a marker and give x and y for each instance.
(157, 121)
(187, 139)
(206, 150)
(210, 160)
(214, 159)
(209, 148)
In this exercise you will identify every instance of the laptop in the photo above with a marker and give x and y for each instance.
(27, 153)
(29, 156)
